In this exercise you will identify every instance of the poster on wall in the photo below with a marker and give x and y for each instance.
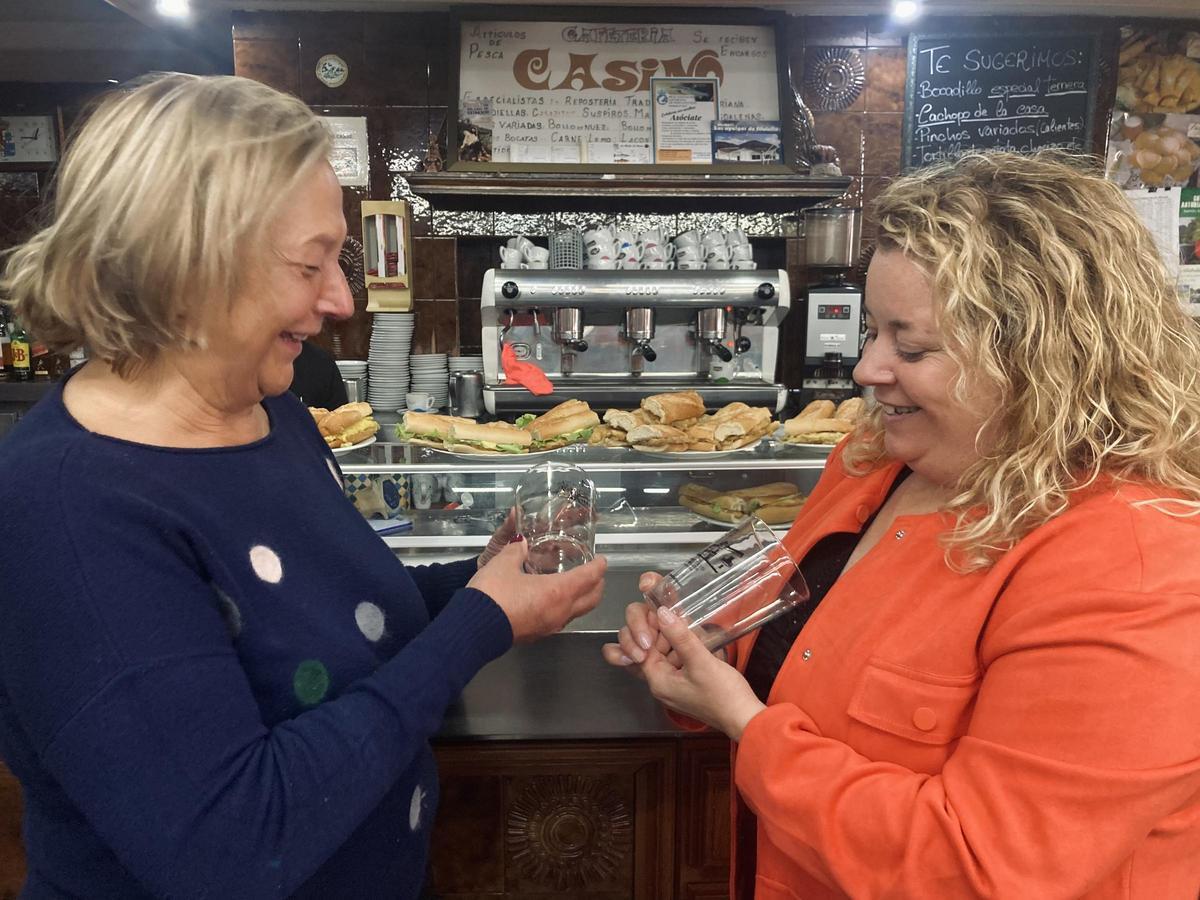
(349, 156)
(1188, 282)
(683, 113)
(586, 92)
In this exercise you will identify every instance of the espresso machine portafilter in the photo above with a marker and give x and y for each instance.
(710, 331)
(639, 331)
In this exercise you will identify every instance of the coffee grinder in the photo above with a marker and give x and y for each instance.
(833, 341)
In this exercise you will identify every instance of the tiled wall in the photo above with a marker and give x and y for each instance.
(398, 79)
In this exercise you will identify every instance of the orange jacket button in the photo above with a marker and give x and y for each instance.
(924, 718)
(862, 513)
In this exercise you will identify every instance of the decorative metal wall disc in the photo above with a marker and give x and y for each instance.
(351, 261)
(834, 77)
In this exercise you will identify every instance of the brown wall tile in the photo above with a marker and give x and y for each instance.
(333, 33)
(882, 136)
(426, 317)
(470, 326)
(844, 130)
(275, 62)
(396, 59)
(445, 328)
(399, 138)
(886, 78)
(475, 256)
(355, 332)
(434, 268)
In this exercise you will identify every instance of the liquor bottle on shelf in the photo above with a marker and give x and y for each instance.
(5, 345)
(22, 355)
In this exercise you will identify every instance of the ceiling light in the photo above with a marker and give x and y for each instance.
(176, 9)
(903, 10)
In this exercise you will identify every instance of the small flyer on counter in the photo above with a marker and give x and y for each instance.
(751, 140)
(681, 124)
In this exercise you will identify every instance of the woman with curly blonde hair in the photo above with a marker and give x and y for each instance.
(997, 694)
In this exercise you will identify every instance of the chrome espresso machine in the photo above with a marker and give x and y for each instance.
(613, 337)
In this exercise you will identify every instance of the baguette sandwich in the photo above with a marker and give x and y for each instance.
(731, 427)
(776, 504)
(345, 425)
(677, 406)
(429, 429)
(607, 436)
(657, 438)
(625, 419)
(815, 431)
(469, 436)
(568, 423)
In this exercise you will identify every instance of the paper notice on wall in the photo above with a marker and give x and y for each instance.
(599, 152)
(527, 146)
(564, 152)
(629, 152)
(1159, 212)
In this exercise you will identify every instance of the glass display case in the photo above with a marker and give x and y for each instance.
(455, 501)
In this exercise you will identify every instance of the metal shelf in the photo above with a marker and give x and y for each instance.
(621, 192)
(396, 458)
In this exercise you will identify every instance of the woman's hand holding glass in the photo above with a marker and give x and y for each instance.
(682, 674)
(539, 605)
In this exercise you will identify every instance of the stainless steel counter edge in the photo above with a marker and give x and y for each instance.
(559, 688)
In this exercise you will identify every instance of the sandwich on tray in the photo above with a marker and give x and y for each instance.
(428, 429)
(345, 425)
(776, 504)
(822, 423)
(469, 436)
(733, 426)
(674, 407)
(570, 422)
(658, 438)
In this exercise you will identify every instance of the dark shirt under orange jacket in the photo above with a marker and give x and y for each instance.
(1032, 730)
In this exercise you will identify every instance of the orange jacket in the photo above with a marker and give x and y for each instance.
(1029, 731)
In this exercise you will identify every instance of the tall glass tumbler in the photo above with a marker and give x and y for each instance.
(556, 514)
(734, 585)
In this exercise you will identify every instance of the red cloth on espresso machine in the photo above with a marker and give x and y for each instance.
(524, 373)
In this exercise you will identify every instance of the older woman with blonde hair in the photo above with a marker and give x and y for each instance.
(994, 690)
(215, 680)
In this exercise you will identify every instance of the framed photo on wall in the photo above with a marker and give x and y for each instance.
(547, 91)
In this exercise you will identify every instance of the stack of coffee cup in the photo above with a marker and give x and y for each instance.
(522, 253)
(718, 250)
(655, 251)
(600, 249)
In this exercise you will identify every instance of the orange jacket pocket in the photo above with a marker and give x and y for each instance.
(920, 706)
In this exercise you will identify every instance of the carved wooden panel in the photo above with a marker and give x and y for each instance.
(12, 851)
(704, 838)
(591, 820)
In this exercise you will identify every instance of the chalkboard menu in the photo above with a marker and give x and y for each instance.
(1020, 92)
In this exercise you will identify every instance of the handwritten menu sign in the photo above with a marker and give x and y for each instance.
(1022, 92)
(579, 92)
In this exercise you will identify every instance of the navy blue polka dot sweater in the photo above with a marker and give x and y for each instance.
(215, 679)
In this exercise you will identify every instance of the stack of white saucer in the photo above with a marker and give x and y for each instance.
(466, 364)
(429, 374)
(391, 343)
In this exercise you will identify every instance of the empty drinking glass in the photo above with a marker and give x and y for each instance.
(556, 514)
(733, 586)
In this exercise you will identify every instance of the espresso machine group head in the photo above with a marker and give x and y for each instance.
(619, 335)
